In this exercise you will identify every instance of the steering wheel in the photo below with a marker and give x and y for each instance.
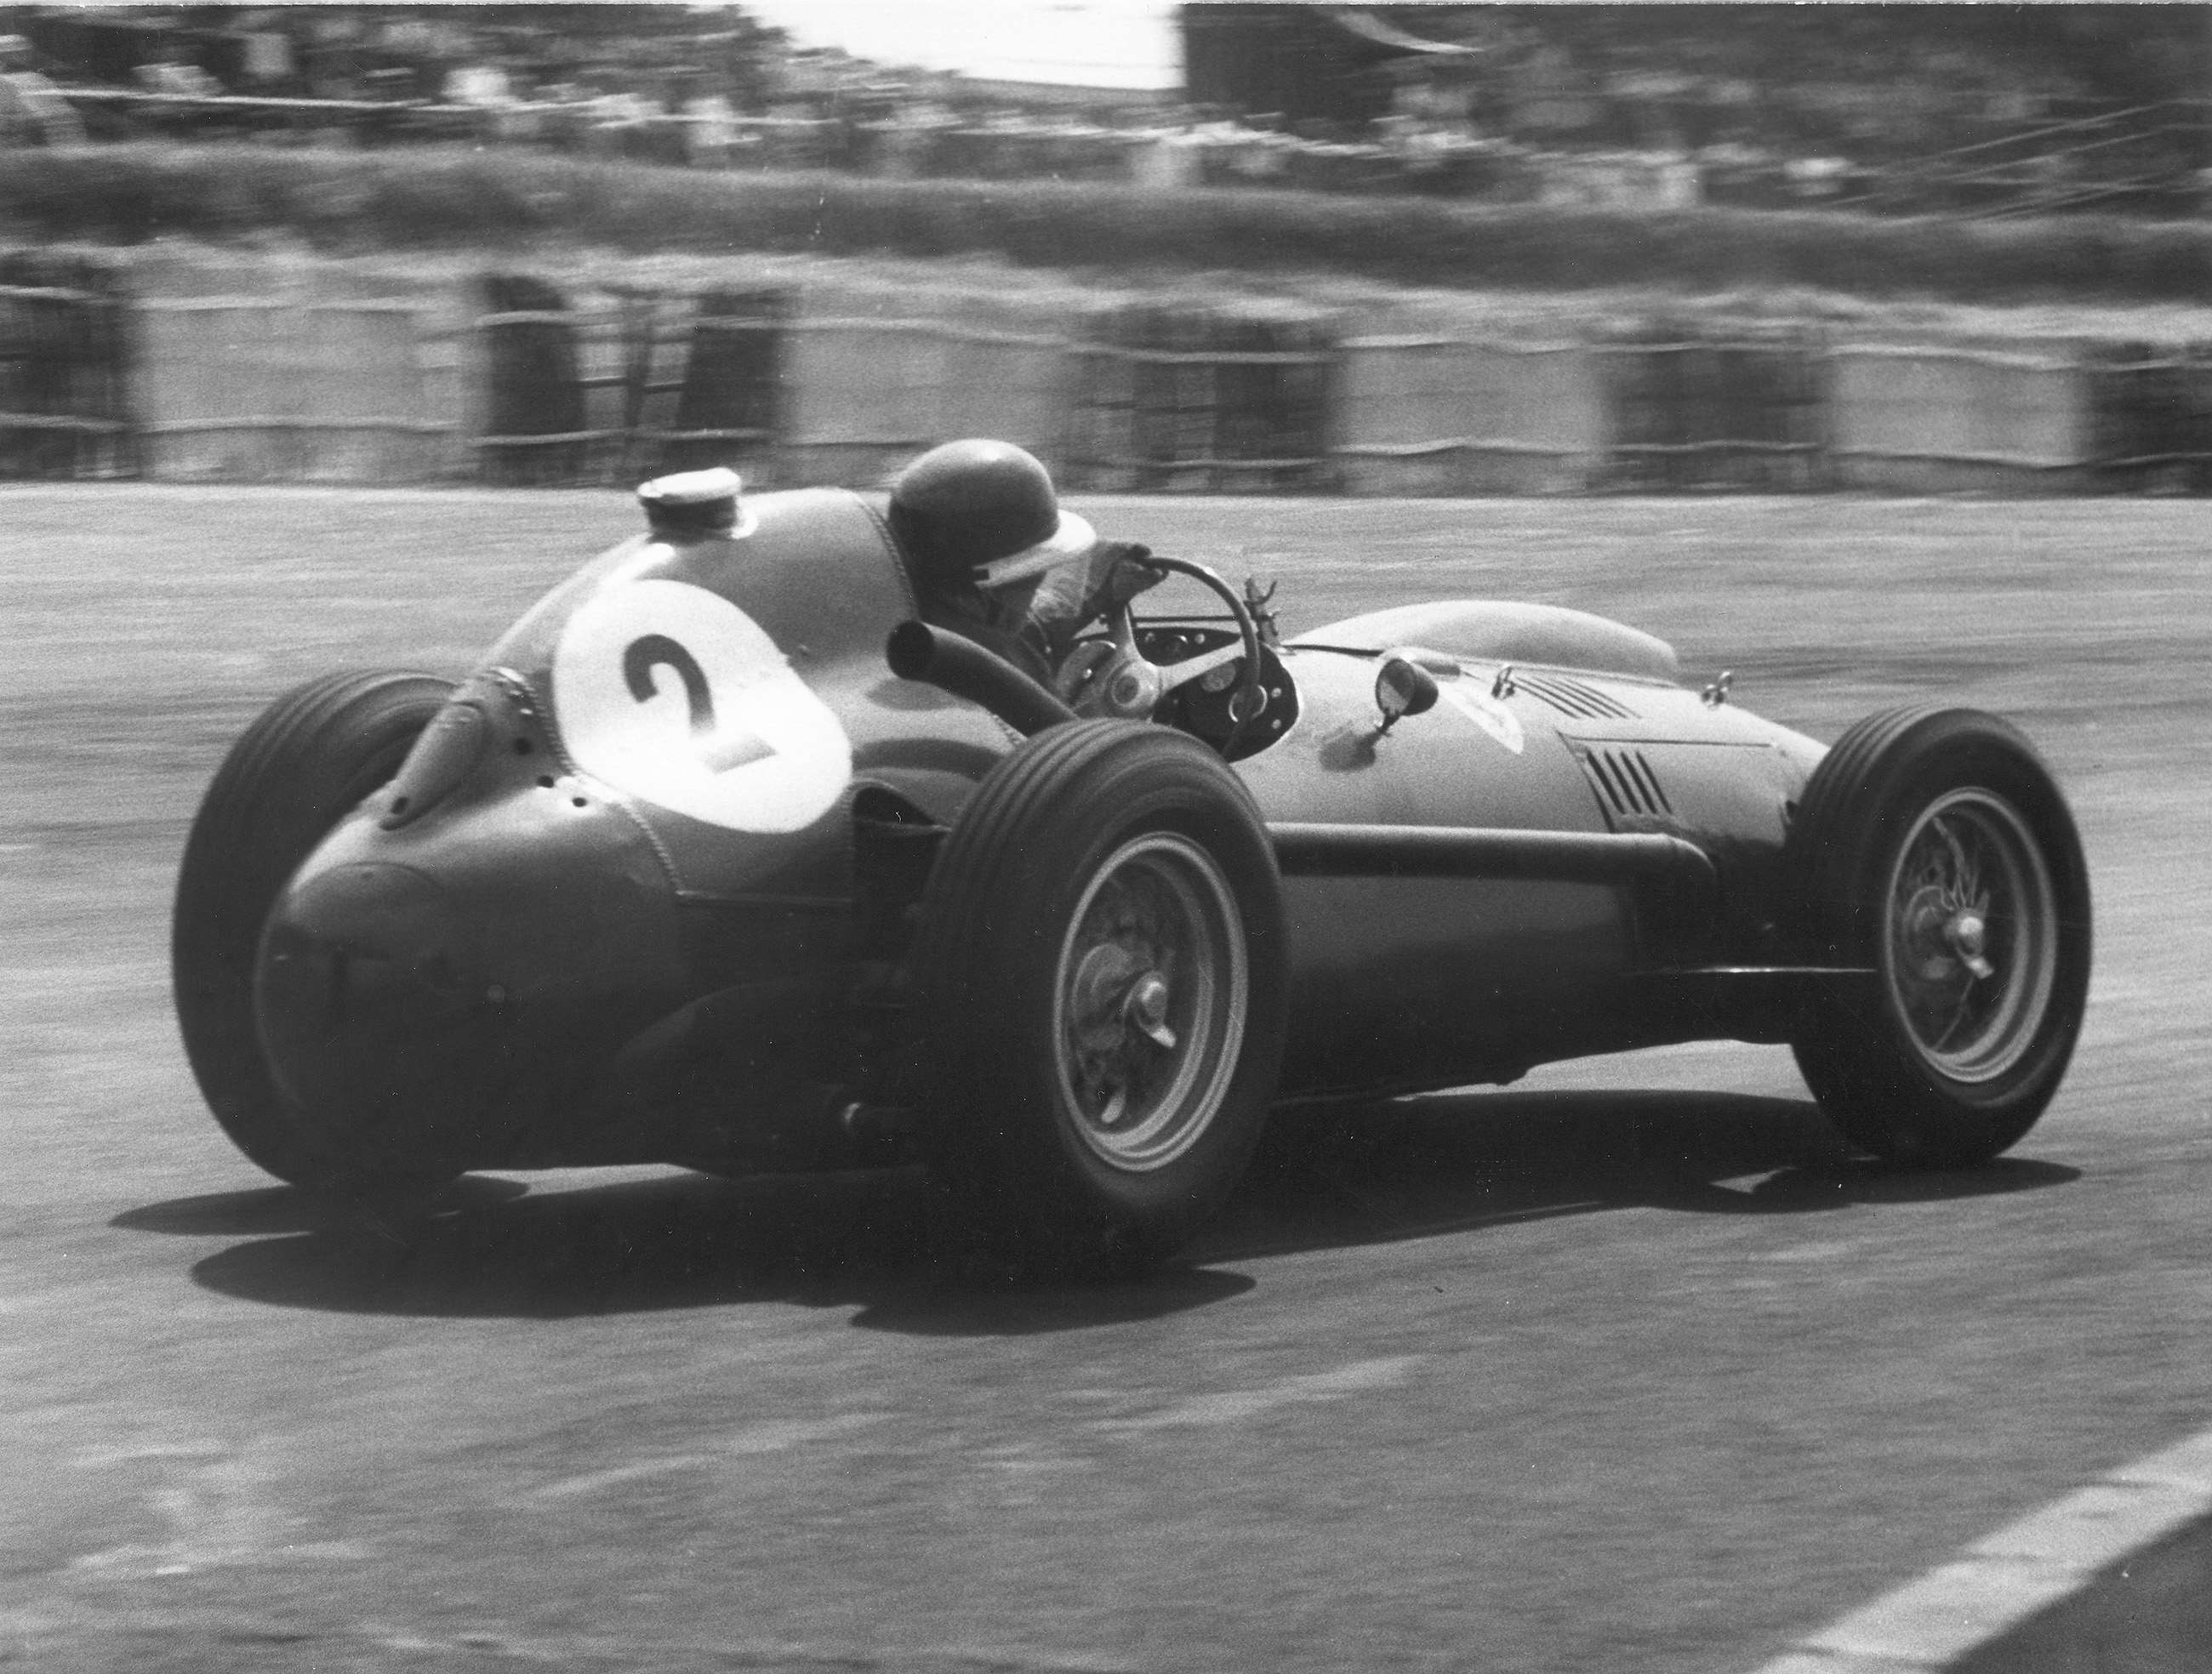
(1112, 678)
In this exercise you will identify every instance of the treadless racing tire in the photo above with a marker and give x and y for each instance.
(1099, 982)
(306, 761)
(1933, 844)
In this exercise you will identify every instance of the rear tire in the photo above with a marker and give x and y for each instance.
(1933, 846)
(307, 760)
(1100, 988)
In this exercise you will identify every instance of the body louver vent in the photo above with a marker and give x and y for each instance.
(1626, 784)
(1571, 697)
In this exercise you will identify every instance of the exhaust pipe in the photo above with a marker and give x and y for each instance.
(956, 663)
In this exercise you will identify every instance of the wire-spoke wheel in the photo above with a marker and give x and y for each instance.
(1934, 848)
(1099, 995)
(1153, 986)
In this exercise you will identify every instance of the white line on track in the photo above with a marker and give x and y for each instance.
(1228, 1406)
(769, 1436)
(2002, 1580)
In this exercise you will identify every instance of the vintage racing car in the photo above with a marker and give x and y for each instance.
(723, 858)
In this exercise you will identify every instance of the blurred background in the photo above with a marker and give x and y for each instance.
(1209, 247)
(1993, 109)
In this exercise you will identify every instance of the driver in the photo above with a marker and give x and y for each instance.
(993, 557)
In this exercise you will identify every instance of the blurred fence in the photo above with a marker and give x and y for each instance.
(1201, 400)
(711, 391)
(637, 383)
(1930, 419)
(534, 430)
(65, 363)
(1693, 412)
(1427, 413)
(875, 379)
(304, 374)
(2151, 408)
(284, 390)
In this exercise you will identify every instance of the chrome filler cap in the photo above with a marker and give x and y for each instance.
(692, 502)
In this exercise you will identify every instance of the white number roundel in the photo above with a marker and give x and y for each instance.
(673, 695)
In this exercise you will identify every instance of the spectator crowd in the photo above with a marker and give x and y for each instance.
(1561, 104)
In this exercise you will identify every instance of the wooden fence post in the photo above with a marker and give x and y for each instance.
(729, 399)
(536, 431)
(1726, 408)
(1182, 398)
(64, 361)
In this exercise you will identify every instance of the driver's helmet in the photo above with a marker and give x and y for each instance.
(983, 512)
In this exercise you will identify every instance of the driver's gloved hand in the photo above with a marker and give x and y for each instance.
(1128, 572)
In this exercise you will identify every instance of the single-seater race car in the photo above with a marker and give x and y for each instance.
(724, 858)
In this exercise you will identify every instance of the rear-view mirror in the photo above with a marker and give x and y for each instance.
(1403, 688)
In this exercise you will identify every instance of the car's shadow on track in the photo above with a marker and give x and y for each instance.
(1456, 1163)
(490, 1248)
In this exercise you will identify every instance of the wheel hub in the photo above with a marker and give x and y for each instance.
(1967, 932)
(1972, 946)
(1146, 1009)
(1104, 995)
(1946, 936)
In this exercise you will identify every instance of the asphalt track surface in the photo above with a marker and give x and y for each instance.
(1628, 1367)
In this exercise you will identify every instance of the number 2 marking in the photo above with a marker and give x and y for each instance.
(658, 651)
(669, 692)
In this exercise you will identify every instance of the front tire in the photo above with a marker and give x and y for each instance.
(1099, 972)
(1934, 846)
(306, 762)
